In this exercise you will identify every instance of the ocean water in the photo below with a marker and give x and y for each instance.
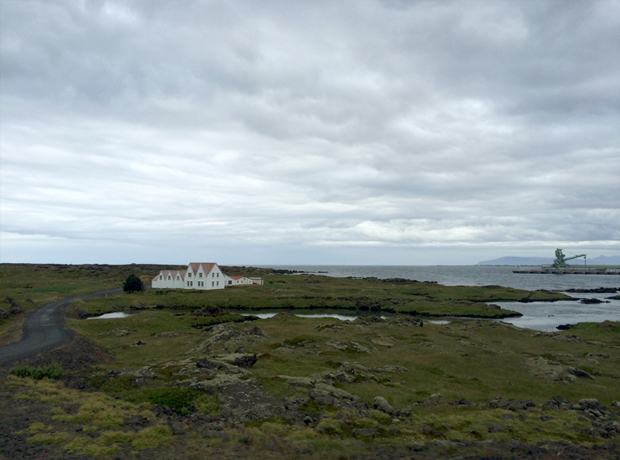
(466, 275)
(542, 316)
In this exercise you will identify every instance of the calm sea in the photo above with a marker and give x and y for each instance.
(544, 316)
(467, 275)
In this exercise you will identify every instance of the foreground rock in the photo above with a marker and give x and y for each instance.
(554, 371)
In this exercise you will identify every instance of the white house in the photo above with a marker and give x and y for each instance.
(200, 275)
(235, 280)
(242, 280)
(197, 276)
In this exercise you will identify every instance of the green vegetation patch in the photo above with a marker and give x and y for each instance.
(52, 371)
(310, 292)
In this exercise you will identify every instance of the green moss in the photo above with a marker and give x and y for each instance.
(152, 436)
(329, 426)
(48, 438)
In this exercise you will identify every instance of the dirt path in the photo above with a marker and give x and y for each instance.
(44, 329)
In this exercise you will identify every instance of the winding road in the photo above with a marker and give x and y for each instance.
(44, 329)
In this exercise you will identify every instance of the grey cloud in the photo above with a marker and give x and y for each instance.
(311, 125)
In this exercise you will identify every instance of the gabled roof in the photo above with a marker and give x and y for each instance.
(236, 277)
(172, 273)
(206, 266)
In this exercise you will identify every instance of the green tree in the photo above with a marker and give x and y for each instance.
(132, 283)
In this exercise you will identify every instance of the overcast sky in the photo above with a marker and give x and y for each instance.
(308, 132)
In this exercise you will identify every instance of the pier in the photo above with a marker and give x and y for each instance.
(569, 271)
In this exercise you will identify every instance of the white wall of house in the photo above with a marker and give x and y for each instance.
(168, 279)
(204, 276)
(229, 281)
(179, 280)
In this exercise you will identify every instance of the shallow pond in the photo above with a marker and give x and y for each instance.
(541, 316)
(546, 316)
(318, 314)
(118, 314)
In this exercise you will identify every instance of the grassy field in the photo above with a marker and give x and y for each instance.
(441, 381)
(42, 283)
(310, 292)
(471, 359)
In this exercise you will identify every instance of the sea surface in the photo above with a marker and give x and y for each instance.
(543, 316)
(465, 275)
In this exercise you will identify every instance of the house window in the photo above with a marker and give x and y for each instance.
(161, 277)
(169, 277)
(212, 275)
(212, 283)
(200, 275)
(189, 275)
(218, 283)
(218, 275)
(230, 282)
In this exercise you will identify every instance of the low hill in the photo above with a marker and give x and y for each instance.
(509, 260)
(604, 260)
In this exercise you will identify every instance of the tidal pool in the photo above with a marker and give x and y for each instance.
(118, 314)
(546, 316)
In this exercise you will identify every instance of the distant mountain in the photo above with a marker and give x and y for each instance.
(604, 260)
(509, 260)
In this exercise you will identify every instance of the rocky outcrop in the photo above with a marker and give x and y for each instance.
(139, 376)
(212, 367)
(603, 421)
(12, 308)
(380, 403)
(350, 347)
(245, 360)
(227, 335)
(327, 394)
(558, 402)
(166, 334)
(514, 405)
(242, 400)
(555, 371)
(118, 332)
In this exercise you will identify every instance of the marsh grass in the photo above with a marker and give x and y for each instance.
(309, 292)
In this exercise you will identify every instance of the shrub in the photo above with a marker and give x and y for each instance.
(181, 400)
(53, 371)
(133, 284)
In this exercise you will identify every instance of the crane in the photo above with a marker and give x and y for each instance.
(560, 259)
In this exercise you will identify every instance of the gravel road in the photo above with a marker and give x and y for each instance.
(44, 329)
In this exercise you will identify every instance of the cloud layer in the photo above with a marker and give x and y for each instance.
(308, 132)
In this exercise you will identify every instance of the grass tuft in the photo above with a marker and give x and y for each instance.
(53, 371)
